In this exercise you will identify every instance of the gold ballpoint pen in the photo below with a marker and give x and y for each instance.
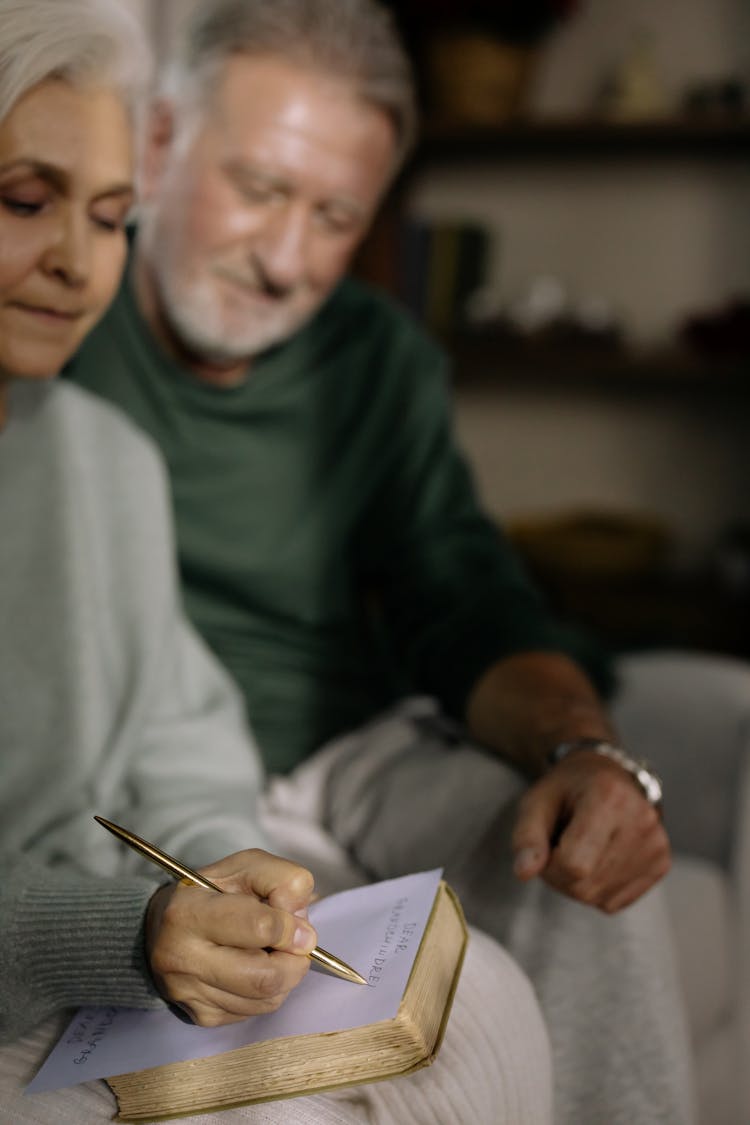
(187, 875)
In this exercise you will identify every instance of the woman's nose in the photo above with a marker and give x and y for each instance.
(68, 255)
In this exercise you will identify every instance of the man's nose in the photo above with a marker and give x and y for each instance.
(284, 247)
(68, 255)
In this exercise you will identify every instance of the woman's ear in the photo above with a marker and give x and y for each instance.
(158, 140)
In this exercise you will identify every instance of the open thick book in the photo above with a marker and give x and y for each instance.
(406, 936)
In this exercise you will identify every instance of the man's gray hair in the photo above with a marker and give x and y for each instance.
(80, 41)
(354, 40)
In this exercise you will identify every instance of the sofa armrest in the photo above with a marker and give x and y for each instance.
(689, 714)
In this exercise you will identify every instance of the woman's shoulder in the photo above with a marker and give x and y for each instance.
(100, 431)
(89, 448)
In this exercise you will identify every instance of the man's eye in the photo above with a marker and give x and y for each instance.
(338, 222)
(260, 193)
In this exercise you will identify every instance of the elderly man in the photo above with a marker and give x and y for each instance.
(334, 556)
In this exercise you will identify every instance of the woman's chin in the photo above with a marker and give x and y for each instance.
(32, 363)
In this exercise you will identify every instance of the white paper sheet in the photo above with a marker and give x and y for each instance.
(376, 929)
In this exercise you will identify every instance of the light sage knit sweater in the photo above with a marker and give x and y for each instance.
(109, 704)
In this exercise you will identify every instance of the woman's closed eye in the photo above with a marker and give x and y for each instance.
(26, 200)
(111, 212)
(22, 203)
(110, 222)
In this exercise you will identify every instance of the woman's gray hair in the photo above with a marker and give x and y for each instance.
(80, 41)
(354, 40)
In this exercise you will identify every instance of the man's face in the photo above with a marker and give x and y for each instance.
(252, 218)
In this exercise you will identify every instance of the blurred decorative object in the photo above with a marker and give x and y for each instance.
(480, 55)
(475, 79)
(732, 559)
(484, 307)
(597, 319)
(591, 543)
(725, 97)
(634, 91)
(546, 319)
(525, 22)
(546, 303)
(722, 333)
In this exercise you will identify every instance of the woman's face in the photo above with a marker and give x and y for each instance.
(65, 190)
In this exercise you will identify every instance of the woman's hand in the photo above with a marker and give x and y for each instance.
(224, 957)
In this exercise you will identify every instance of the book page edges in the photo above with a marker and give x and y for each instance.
(401, 1043)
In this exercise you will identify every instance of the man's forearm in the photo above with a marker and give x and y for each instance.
(524, 705)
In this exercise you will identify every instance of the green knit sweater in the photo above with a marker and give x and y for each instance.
(331, 547)
(109, 703)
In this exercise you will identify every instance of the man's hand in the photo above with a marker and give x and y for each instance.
(586, 828)
(224, 957)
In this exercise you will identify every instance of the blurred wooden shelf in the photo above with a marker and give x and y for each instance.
(481, 361)
(653, 610)
(704, 136)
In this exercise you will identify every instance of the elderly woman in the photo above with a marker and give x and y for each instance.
(108, 702)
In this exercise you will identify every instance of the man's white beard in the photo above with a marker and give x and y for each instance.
(195, 314)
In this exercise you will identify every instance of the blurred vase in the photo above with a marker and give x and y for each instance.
(476, 79)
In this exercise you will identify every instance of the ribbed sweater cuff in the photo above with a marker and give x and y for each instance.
(81, 942)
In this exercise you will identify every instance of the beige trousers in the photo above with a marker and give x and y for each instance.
(406, 794)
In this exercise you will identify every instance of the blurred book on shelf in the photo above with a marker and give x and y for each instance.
(442, 264)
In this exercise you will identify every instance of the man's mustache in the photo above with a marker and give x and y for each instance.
(258, 282)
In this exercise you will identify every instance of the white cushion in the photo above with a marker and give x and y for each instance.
(701, 912)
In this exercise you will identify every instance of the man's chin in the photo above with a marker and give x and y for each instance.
(228, 342)
(228, 354)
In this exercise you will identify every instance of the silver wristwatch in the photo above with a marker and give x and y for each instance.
(642, 773)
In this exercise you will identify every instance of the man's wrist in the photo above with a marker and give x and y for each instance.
(643, 774)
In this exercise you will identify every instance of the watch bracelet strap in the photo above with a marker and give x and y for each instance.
(641, 772)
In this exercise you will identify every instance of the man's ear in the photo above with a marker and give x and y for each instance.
(158, 140)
